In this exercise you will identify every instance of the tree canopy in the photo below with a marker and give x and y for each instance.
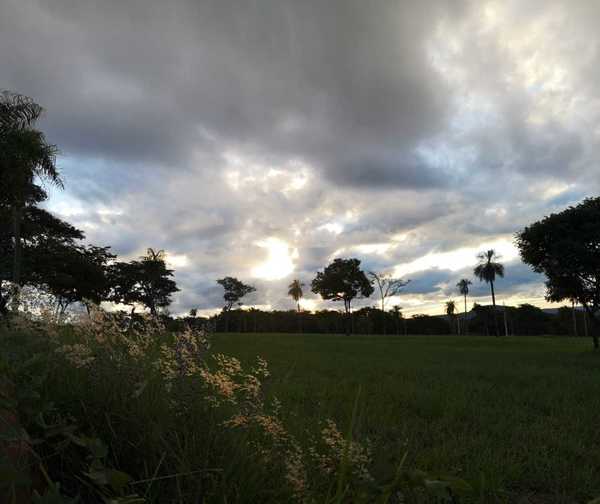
(295, 291)
(565, 247)
(146, 281)
(342, 280)
(235, 290)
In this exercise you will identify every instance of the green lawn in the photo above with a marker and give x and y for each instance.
(519, 416)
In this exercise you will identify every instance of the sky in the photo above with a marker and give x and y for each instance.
(263, 138)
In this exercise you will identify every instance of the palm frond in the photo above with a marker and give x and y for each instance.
(17, 112)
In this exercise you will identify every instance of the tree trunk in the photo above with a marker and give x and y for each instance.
(497, 332)
(465, 321)
(17, 214)
(3, 304)
(346, 318)
(16, 217)
(574, 318)
(595, 324)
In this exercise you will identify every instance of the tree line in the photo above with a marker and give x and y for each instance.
(40, 250)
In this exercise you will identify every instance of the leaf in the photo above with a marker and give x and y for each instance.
(118, 480)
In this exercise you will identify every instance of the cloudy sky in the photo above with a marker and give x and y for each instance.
(263, 138)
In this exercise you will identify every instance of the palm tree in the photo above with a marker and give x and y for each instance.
(155, 255)
(463, 289)
(24, 155)
(295, 291)
(486, 270)
(17, 112)
(450, 310)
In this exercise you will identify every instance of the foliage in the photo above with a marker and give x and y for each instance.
(146, 281)
(235, 290)
(566, 248)
(342, 280)
(488, 268)
(17, 112)
(47, 243)
(463, 286)
(170, 421)
(295, 291)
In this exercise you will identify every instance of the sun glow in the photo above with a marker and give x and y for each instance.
(177, 260)
(280, 260)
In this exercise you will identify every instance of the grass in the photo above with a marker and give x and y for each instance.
(514, 416)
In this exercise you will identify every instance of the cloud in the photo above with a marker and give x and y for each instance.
(389, 131)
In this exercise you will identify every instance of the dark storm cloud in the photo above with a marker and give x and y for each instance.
(382, 172)
(138, 81)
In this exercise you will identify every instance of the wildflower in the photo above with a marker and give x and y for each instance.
(78, 354)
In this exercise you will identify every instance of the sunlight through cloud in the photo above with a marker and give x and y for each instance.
(280, 260)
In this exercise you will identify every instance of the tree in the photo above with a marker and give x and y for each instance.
(565, 247)
(295, 291)
(342, 280)
(388, 287)
(77, 274)
(450, 310)
(463, 289)
(44, 238)
(146, 281)
(235, 290)
(17, 112)
(487, 270)
(24, 155)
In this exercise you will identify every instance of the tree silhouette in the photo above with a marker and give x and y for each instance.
(388, 287)
(295, 291)
(450, 310)
(146, 281)
(17, 112)
(24, 155)
(342, 280)
(566, 248)
(463, 289)
(44, 239)
(75, 274)
(235, 290)
(487, 270)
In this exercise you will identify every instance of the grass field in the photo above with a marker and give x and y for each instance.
(519, 417)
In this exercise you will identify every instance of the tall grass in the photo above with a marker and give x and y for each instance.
(137, 414)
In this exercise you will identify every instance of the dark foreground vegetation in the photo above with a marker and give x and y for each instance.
(331, 418)
(93, 413)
